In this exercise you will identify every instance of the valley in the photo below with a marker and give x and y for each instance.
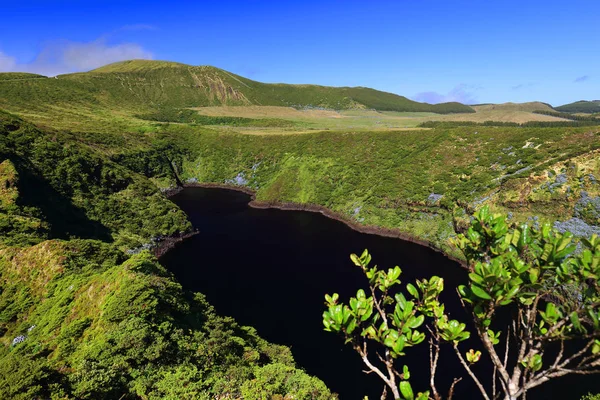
(87, 160)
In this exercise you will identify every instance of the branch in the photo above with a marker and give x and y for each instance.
(451, 391)
(364, 355)
(471, 374)
(377, 303)
(584, 367)
(505, 363)
(485, 339)
(384, 393)
(433, 360)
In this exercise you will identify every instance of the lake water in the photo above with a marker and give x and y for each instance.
(270, 269)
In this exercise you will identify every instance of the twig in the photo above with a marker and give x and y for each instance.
(451, 391)
(471, 374)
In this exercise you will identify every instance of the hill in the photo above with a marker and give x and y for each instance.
(86, 311)
(143, 84)
(582, 106)
(526, 107)
(13, 76)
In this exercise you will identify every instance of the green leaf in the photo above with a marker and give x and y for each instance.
(534, 273)
(351, 326)
(416, 322)
(401, 300)
(479, 292)
(412, 290)
(406, 390)
(536, 362)
(575, 320)
(476, 278)
(405, 373)
(473, 356)
(399, 345)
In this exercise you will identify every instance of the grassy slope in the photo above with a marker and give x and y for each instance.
(389, 176)
(81, 318)
(96, 324)
(90, 168)
(140, 84)
(305, 120)
(583, 106)
(528, 107)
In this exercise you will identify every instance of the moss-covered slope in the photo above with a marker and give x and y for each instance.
(85, 312)
(79, 319)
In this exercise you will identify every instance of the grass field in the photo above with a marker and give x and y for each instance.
(309, 120)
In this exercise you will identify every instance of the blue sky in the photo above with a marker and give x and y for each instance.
(429, 50)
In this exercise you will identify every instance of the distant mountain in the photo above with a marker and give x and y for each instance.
(582, 106)
(141, 84)
(526, 107)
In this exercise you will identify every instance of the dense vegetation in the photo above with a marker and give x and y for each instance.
(79, 319)
(83, 159)
(573, 121)
(574, 117)
(553, 293)
(148, 85)
(85, 311)
(370, 178)
(582, 106)
(57, 188)
(192, 117)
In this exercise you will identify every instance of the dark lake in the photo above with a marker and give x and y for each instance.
(270, 269)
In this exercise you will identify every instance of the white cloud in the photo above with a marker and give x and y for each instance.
(67, 56)
(523, 86)
(7, 63)
(85, 56)
(461, 93)
(138, 27)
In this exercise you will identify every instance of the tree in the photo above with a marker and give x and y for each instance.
(550, 288)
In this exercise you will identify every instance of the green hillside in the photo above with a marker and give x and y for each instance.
(529, 106)
(86, 310)
(582, 106)
(141, 84)
(11, 76)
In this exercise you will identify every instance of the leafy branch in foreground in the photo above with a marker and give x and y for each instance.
(553, 291)
(394, 322)
(550, 290)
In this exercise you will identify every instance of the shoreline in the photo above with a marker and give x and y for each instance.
(168, 243)
(368, 229)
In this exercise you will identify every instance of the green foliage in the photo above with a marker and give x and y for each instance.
(374, 171)
(128, 330)
(11, 76)
(192, 117)
(393, 321)
(81, 318)
(591, 396)
(581, 106)
(573, 122)
(553, 290)
(65, 190)
(567, 115)
(280, 381)
(124, 85)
